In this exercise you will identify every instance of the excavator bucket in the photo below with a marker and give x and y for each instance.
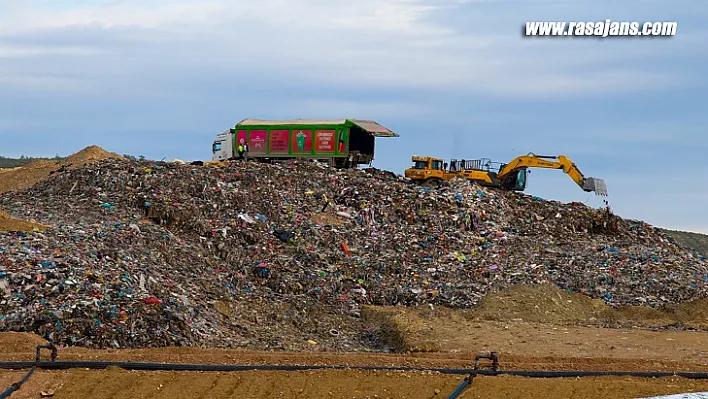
(596, 185)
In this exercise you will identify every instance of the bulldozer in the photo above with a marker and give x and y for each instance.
(431, 171)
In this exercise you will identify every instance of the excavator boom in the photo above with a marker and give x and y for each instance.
(511, 176)
(589, 184)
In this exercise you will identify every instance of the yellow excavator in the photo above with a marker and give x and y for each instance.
(510, 176)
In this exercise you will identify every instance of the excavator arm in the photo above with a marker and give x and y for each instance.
(589, 184)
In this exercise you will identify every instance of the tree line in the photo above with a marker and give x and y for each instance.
(6, 162)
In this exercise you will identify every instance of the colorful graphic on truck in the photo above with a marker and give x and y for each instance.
(324, 141)
(342, 141)
(302, 141)
(240, 135)
(279, 141)
(257, 143)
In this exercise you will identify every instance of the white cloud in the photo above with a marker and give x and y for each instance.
(148, 14)
(43, 83)
(372, 109)
(26, 51)
(376, 43)
(652, 131)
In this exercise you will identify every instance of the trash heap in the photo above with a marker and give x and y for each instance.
(283, 256)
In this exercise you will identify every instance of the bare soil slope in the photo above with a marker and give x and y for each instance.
(31, 174)
(8, 223)
(546, 312)
(27, 176)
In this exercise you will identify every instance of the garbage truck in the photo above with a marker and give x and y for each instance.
(341, 143)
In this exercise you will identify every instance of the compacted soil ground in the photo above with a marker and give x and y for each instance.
(522, 345)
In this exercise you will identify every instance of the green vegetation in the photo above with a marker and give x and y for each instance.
(9, 163)
(23, 160)
(696, 241)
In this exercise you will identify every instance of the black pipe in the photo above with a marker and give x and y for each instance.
(14, 387)
(63, 365)
(561, 374)
(459, 389)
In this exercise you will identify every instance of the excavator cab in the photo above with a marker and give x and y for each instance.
(516, 181)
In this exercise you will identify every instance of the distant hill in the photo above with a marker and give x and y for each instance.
(695, 241)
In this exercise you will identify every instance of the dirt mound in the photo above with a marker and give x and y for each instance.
(27, 176)
(91, 153)
(424, 328)
(454, 334)
(546, 303)
(18, 342)
(541, 303)
(8, 223)
(409, 330)
(693, 313)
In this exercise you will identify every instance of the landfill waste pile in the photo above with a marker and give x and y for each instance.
(140, 254)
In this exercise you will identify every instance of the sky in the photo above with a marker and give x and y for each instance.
(455, 78)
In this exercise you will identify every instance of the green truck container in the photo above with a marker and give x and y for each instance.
(341, 143)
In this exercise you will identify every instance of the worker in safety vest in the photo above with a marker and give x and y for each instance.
(241, 149)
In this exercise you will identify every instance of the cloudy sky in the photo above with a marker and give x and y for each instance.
(454, 77)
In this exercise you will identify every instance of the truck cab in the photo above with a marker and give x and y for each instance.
(222, 148)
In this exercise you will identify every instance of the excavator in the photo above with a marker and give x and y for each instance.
(510, 176)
